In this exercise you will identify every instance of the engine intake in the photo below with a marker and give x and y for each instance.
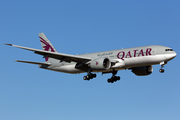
(100, 64)
(142, 71)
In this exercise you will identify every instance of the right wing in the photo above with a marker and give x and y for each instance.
(56, 55)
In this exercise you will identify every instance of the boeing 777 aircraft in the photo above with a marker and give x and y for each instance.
(138, 59)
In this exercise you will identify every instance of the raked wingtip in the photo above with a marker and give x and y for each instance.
(7, 44)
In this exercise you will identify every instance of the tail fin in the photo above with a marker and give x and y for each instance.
(46, 45)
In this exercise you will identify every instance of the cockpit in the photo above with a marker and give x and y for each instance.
(168, 49)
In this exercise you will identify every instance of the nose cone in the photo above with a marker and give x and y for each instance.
(171, 56)
(174, 54)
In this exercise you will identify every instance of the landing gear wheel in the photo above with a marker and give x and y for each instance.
(162, 65)
(85, 78)
(118, 78)
(161, 70)
(113, 78)
(89, 76)
(94, 75)
(112, 81)
(109, 80)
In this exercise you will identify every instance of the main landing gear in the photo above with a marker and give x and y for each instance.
(89, 76)
(162, 65)
(113, 78)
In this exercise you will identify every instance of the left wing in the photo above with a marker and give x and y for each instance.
(56, 55)
(36, 63)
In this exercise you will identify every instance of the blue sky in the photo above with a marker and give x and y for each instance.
(76, 27)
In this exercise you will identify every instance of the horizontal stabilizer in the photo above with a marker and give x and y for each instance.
(37, 63)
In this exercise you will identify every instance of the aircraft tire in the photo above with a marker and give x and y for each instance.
(85, 78)
(88, 76)
(109, 80)
(91, 76)
(118, 78)
(161, 70)
(94, 75)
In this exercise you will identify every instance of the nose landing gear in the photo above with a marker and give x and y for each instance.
(162, 65)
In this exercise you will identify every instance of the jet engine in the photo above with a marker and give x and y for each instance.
(142, 71)
(100, 64)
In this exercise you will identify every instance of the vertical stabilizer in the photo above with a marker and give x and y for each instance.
(46, 45)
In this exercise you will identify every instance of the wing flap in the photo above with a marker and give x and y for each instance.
(56, 55)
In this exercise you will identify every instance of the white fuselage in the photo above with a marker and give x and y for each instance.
(125, 58)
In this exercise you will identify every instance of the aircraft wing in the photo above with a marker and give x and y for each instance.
(56, 55)
(37, 63)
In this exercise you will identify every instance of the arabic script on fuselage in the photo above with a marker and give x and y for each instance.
(105, 54)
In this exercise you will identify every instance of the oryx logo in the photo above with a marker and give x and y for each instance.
(46, 47)
(97, 63)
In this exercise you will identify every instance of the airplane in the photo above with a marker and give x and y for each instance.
(138, 59)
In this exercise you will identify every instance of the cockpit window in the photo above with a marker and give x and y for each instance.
(168, 49)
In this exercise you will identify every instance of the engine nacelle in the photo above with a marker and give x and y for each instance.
(100, 64)
(142, 71)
